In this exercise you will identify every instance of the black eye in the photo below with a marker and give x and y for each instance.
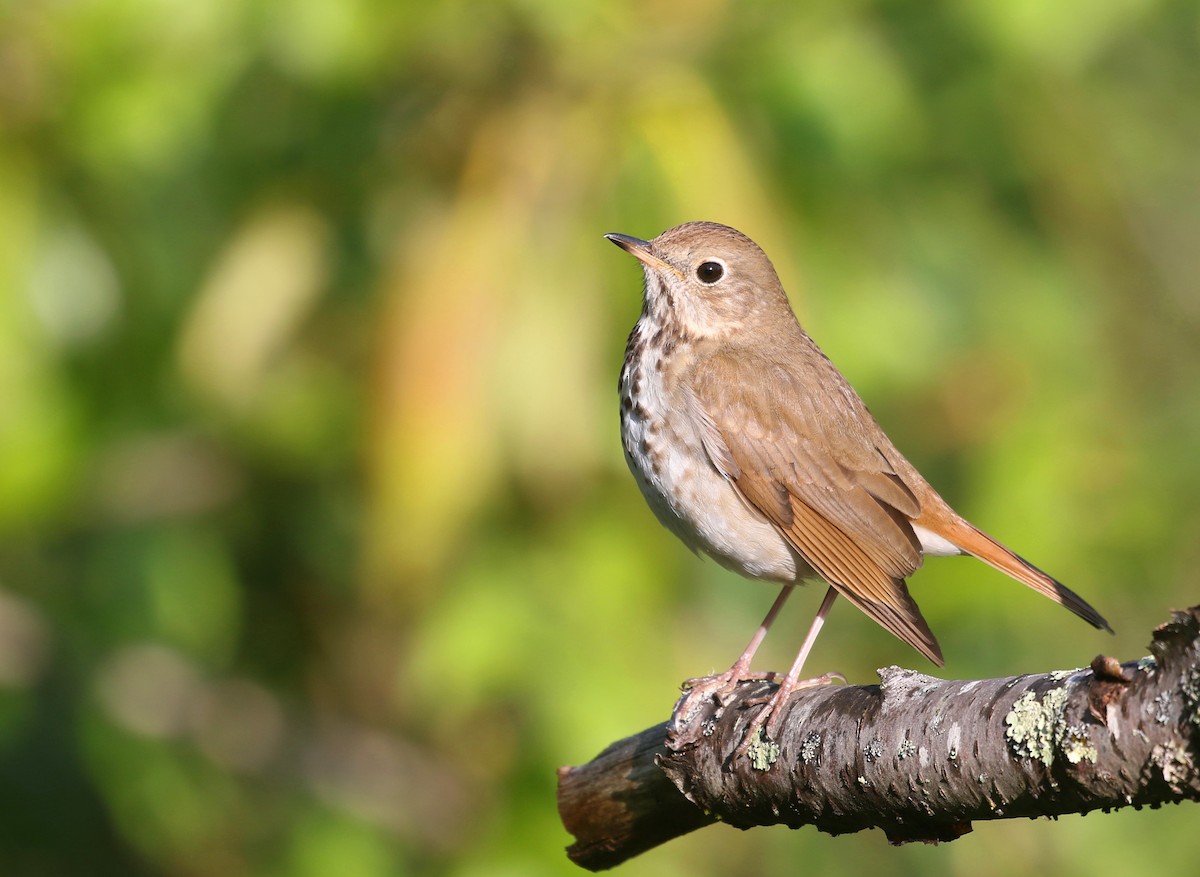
(710, 272)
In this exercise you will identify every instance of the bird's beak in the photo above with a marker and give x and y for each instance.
(640, 250)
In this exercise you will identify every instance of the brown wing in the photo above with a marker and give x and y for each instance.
(817, 471)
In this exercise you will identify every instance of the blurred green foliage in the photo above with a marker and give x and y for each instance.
(317, 551)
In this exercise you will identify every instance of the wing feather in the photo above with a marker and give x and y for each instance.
(816, 472)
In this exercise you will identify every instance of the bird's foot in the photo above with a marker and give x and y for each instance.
(766, 723)
(726, 682)
(719, 688)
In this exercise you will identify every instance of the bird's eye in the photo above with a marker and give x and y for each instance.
(710, 272)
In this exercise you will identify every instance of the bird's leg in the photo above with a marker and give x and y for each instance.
(741, 667)
(721, 684)
(770, 713)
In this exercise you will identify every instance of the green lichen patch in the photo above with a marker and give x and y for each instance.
(762, 752)
(1176, 764)
(1162, 707)
(1077, 746)
(1035, 727)
(1190, 686)
(810, 749)
(1060, 675)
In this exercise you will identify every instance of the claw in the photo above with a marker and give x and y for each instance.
(719, 687)
(768, 718)
(728, 680)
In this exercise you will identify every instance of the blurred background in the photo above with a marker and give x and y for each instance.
(318, 554)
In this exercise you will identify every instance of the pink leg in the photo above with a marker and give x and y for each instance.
(793, 675)
(723, 683)
(792, 680)
(742, 665)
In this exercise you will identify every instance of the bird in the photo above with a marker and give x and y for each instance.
(752, 448)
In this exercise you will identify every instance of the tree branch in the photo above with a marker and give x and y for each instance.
(919, 757)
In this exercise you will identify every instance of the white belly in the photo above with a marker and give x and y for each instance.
(687, 493)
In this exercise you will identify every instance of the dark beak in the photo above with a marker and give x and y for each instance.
(640, 250)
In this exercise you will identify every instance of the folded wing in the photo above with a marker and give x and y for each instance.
(817, 474)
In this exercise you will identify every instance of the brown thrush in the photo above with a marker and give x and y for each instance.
(751, 446)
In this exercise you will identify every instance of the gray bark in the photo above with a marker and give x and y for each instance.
(918, 757)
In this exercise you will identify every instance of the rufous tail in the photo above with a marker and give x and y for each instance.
(977, 543)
